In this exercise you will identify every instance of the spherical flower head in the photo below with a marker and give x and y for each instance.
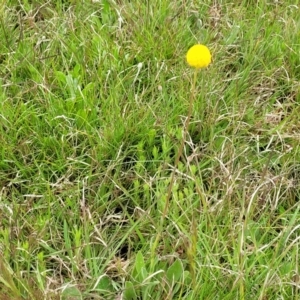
(198, 56)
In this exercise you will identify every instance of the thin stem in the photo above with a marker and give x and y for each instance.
(180, 151)
(177, 159)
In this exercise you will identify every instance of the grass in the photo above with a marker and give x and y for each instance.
(94, 97)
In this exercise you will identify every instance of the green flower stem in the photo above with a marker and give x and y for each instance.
(171, 184)
(180, 151)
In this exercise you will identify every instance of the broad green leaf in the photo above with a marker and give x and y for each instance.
(129, 292)
(143, 274)
(139, 262)
(81, 117)
(104, 284)
(175, 271)
(71, 293)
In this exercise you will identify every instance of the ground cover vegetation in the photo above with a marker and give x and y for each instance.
(94, 96)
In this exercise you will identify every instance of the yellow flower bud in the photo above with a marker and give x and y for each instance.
(198, 56)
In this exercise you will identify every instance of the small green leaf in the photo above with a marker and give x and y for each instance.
(81, 117)
(71, 293)
(143, 274)
(187, 278)
(139, 262)
(61, 77)
(129, 292)
(175, 271)
(104, 284)
(155, 152)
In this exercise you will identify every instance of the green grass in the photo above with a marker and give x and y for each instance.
(93, 100)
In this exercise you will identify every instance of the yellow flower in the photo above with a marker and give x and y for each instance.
(198, 56)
